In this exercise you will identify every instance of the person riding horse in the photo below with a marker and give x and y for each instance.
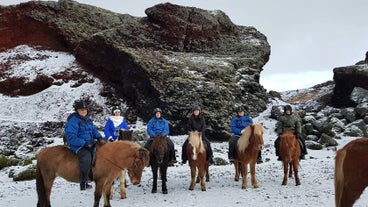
(157, 125)
(114, 124)
(290, 122)
(196, 122)
(82, 135)
(238, 123)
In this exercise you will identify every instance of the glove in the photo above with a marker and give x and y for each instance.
(110, 139)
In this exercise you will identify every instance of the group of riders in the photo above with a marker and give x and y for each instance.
(82, 135)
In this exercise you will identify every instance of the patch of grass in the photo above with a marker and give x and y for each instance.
(6, 161)
(28, 174)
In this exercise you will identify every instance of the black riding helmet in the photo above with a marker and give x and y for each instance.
(288, 107)
(196, 107)
(115, 108)
(79, 105)
(157, 110)
(240, 109)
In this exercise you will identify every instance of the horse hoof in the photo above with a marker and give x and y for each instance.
(164, 192)
(203, 189)
(191, 188)
(207, 180)
(236, 179)
(244, 187)
(154, 191)
(255, 186)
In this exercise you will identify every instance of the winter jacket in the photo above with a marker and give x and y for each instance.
(239, 123)
(196, 123)
(113, 125)
(289, 123)
(158, 126)
(80, 131)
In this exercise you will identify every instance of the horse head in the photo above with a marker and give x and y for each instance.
(159, 149)
(258, 132)
(141, 160)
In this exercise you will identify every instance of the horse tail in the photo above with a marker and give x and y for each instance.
(339, 175)
(40, 185)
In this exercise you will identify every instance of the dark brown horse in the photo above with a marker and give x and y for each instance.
(197, 158)
(111, 159)
(290, 154)
(351, 172)
(249, 144)
(159, 159)
(128, 136)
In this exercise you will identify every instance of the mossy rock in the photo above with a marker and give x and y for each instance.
(7, 161)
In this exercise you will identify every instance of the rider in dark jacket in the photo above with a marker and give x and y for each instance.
(196, 122)
(82, 135)
(290, 122)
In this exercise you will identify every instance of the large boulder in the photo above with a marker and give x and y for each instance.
(173, 58)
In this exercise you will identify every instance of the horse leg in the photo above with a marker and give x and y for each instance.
(122, 185)
(207, 172)
(44, 186)
(163, 172)
(112, 191)
(201, 177)
(155, 175)
(98, 194)
(237, 170)
(106, 194)
(192, 175)
(244, 171)
(286, 166)
(295, 168)
(253, 174)
(291, 169)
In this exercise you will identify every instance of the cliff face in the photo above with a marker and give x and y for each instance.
(173, 58)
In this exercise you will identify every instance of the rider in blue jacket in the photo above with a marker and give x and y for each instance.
(157, 125)
(238, 123)
(114, 124)
(82, 135)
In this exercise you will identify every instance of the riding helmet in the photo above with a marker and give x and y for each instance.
(157, 110)
(240, 109)
(79, 105)
(115, 108)
(196, 107)
(288, 107)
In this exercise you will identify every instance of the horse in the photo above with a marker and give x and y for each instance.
(111, 159)
(351, 172)
(159, 159)
(128, 136)
(290, 153)
(249, 144)
(197, 158)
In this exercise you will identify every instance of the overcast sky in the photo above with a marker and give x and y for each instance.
(308, 38)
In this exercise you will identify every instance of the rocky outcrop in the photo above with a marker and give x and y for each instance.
(173, 58)
(346, 80)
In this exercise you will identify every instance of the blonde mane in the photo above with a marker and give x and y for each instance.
(243, 141)
(195, 139)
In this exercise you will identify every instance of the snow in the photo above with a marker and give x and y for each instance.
(316, 172)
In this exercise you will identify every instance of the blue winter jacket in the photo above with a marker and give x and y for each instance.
(79, 131)
(238, 123)
(157, 127)
(111, 130)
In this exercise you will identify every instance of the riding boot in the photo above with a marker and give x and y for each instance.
(277, 148)
(209, 152)
(84, 185)
(171, 151)
(184, 156)
(259, 159)
(303, 149)
(148, 144)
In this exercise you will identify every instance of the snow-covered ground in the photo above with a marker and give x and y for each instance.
(316, 172)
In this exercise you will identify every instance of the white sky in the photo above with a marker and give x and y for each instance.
(314, 36)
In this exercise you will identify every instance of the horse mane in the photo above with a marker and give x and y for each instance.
(244, 140)
(195, 139)
(159, 141)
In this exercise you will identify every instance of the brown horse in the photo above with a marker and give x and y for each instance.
(159, 159)
(111, 159)
(249, 144)
(290, 154)
(128, 136)
(351, 172)
(197, 158)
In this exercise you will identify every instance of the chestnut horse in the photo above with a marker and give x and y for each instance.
(249, 144)
(111, 159)
(290, 154)
(128, 136)
(351, 172)
(197, 158)
(159, 159)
